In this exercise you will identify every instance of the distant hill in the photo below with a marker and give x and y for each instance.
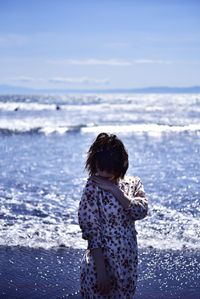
(9, 89)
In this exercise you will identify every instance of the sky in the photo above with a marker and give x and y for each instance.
(98, 44)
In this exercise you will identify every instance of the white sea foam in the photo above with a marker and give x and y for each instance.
(12, 106)
(167, 228)
(37, 226)
(35, 217)
(140, 128)
(45, 126)
(50, 234)
(137, 113)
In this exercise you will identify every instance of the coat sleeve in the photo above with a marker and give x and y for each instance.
(88, 217)
(138, 206)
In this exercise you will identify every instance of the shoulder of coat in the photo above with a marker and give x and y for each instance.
(131, 180)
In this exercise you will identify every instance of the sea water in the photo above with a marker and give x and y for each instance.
(43, 146)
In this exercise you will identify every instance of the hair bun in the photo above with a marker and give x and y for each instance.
(102, 135)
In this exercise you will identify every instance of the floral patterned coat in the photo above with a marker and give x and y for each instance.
(106, 224)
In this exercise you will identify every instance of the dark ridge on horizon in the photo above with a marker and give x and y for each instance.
(9, 89)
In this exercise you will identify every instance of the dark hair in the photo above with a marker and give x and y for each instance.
(107, 153)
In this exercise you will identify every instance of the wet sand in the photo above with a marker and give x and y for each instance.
(54, 274)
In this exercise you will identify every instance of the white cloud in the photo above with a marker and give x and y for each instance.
(109, 62)
(60, 80)
(91, 61)
(84, 80)
(147, 61)
(23, 79)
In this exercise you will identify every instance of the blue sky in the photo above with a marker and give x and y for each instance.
(99, 44)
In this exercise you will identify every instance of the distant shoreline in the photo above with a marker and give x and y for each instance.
(9, 90)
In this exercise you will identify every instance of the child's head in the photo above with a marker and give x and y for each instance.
(107, 154)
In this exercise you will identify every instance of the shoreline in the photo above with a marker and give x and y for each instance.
(54, 274)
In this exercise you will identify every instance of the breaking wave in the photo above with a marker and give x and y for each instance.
(92, 128)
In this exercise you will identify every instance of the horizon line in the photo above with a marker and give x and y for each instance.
(4, 89)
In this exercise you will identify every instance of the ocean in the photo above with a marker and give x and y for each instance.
(43, 146)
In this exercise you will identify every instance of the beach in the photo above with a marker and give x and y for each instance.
(42, 153)
(69, 71)
(53, 274)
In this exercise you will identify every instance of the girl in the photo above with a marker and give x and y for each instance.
(109, 206)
